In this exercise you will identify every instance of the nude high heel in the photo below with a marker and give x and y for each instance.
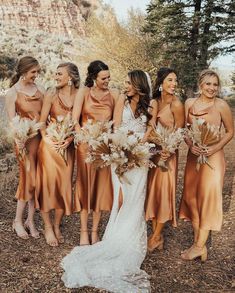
(85, 242)
(96, 238)
(194, 252)
(155, 244)
(58, 234)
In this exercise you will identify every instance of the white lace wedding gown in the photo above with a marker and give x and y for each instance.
(114, 263)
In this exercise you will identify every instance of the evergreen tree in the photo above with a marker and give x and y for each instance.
(189, 34)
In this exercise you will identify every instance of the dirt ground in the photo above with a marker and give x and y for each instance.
(32, 266)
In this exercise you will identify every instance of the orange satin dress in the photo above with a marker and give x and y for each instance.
(202, 196)
(161, 187)
(54, 177)
(93, 186)
(28, 107)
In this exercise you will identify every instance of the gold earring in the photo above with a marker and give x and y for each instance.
(69, 82)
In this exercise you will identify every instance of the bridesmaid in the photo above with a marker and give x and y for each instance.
(24, 98)
(160, 201)
(93, 190)
(54, 177)
(202, 196)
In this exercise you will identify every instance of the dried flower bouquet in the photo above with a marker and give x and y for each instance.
(168, 139)
(60, 130)
(203, 135)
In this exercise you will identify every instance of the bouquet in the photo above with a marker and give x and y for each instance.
(123, 149)
(92, 132)
(22, 129)
(168, 139)
(132, 151)
(203, 135)
(58, 131)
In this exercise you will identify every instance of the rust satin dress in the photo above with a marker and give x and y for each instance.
(202, 196)
(93, 186)
(54, 177)
(28, 107)
(161, 187)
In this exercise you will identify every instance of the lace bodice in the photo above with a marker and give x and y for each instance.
(129, 121)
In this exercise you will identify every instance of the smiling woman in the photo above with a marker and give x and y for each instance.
(24, 99)
(202, 196)
(53, 193)
(93, 190)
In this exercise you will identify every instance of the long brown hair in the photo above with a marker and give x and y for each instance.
(139, 81)
(23, 66)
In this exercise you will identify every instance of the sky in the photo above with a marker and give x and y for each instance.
(121, 7)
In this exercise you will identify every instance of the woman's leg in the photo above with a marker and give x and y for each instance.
(84, 237)
(95, 225)
(156, 240)
(48, 230)
(154, 224)
(29, 223)
(57, 221)
(18, 221)
(198, 249)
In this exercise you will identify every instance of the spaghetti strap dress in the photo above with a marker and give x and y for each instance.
(54, 175)
(93, 189)
(202, 195)
(28, 107)
(161, 188)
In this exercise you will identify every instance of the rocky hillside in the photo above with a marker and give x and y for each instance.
(53, 16)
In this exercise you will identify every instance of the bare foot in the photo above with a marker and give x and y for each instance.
(58, 234)
(94, 237)
(31, 227)
(18, 227)
(84, 238)
(50, 236)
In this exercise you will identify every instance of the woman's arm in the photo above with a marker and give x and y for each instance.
(115, 94)
(177, 109)
(152, 122)
(46, 106)
(77, 107)
(118, 110)
(193, 148)
(10, 103)
(227, 119)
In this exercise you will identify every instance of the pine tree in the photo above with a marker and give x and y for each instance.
(190, 34)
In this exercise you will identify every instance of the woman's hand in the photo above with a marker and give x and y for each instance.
(52, 143)
(197, 151)
(188, 141)
(210, 150)
(58, 145)
(66, 143)
(165, 155)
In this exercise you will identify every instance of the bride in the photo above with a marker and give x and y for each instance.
(114, 263)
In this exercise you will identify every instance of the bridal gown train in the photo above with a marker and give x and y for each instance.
(114, 263)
